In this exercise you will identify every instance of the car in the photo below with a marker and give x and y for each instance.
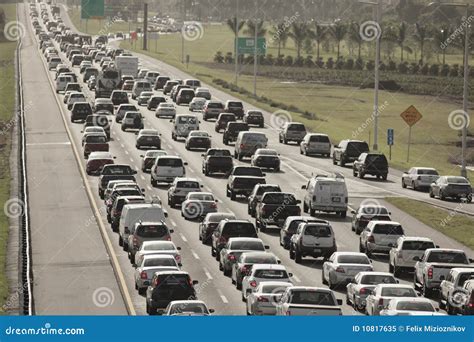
(274, 207)
(229, 228)
(91, 130)
(165, 109)
(402, 253)
(232, 130)
(194, 84)
(370, 163)
(54, 62)
(210, 223)
(383, 293)
(156, 247)
(212, 109)
(97, 160)
(348, 151)
(187, 308)
(73, 86)
(367, 212)
(362, 286)
(419, 177)
(149, 158)
(248, 142)
(203, 93)
(183, 124)
(92, 82)
(467, 304)
(139, 87)
(264, 300)
(451, 289)
(119, 97)
(254, 117)
(144, 97)
(160, 82)
(234, 248)
(316, 143)
(132, 120)
(184, 96)
(308, 301)
(115, 172)
(197, 205)
(197, 140)
(62, 81)
(410, 307)
(176, 89)
(103, 105)
(166, 169)
(266, 158)
(261, 273)
(222, 120)
(80, 111)
(149, 265)
(242, 185)
(236, 107)
(74, 97)
(84, 65)
(197, 103)
(168, 86)
(342, 267)
(290, 227)
(151, 76)
(179, 189)
(244, 263)
(380, 237)
(313, 238)
(148, 138)
(121, 190)
(154, 101)
(166, 287)
(146, 231)
(454, 187)
(113, 217)
(256, 195)
(122, 110)
(326, 193)
(217, 160)
(99, 119)
(292, 131)
(128, 85)
(118, 184)
(90, 72)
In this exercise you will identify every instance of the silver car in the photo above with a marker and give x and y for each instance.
(263, 300)
(158, 247)
(197, 205)
(315, 143)
(232, 250)
(150, 264)
(419, 177)
(342, 267)
(362, 286)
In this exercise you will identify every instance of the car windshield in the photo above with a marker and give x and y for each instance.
(181, 280)
(312, 298)
(353, 259)
(274, 289)
(415, 306)
(271, 274)
(133, 115)
(259, 114)
(218, 218)
(215, 105)
(190, 120)
(448, 257)
(248, 171)
(388, 229)
(156, 231)
(263, 189)
(295, 127)
(357, 147)
(427, 172)
(247, 245)
(318, 231)
(235, 105)
(188, 185)
(126, 192)
(374, 210)
(279, 198)
(319, 138)
(267, 152)
(201, 197)
(417, 245)
(239, 229)
(166, 105)
(180, 308)
(149, 132)
(376, 159)
(170, 162)
(96, 139)
(463, 277)
(159, 262)
(398, 292)
(118, 170)
(159, 247)
(375, 279)
(199, 134)
(260, 259)
(457, 180)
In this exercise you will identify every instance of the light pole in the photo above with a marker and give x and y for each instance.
(376, 6)
(466, 82)
(236, 57)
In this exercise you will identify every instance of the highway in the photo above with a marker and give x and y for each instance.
(70, 250)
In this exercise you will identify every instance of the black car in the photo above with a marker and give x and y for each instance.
(348, 151)
(254, 117)
(80, 111)
(119, 97)
(210, 223)
(104, 105)
(223, 120)
(230, 228)
(257, 193)
(374, 164)
(236, 107)
(154, 101)
(217, 161)
(148, 138)
(166, 287)
(266, 158)
(198, 140)
(232, 131)
(242, 185)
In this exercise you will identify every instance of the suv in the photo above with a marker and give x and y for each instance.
(132, 120)
(119, 97)
(146, 231)
(380, 237)
(184, 96)
(292, 131)
(316, 239)
(254, 117)
(407, 247)
(212, 109)
(217, 161)
(227, 229)
(80, 111)
(326, 194)
(366, 213)
(374, 164)
(274, 208)
(348, 151)
(223, 120)
(232, 130)
(249, 142)
(180, 188)
(236, 107)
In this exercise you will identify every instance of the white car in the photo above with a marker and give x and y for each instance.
(410, 307)
(342, 267)
(402, 254)
(362, 286)
(166, 169)
(179, 189)
(158, 247)
(261, 273)
(187, 308)
(92, 130)
(54, 62)
(197, 103)
(75, 97)
(197, 205)
(419, 177)
(383, 293)
(150, 264)
(263, 300)
(165, 109)
(380, 237)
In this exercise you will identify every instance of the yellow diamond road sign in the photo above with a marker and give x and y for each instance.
(411, 115)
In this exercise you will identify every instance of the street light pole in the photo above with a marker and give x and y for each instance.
(377, 77)
(465, 95)
(236, 44)
(255, 59)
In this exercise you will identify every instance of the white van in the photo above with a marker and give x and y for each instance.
(327, 194)
(166, 169)
(140, 86)
(151, 76)
(183, 124)
(194, 84)
(248, 142)
(62, 81)
(132, 213)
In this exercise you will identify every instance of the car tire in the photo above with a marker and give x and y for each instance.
(120, 241)
(226, 272)
(298, 257)
(141, 290)
(343, 214)
(396, 271)
(291, 253)
(323, 280)
(341, 163)
(354, 173)
(441, 196)
(312, 212)
(238, 285)
(427, 292)
(213, 252)
(232, 195)
(361, 175)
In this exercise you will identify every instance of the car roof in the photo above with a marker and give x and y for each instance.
(311, 288)
(349, 253)
(374, 222)
(401, 286)
(171, 273)
(185, 179)
(157, 256)
(177, 302)
(158, 242)
(268, 267)
(105, 155)
(415, 238)
(462, 269)
(239, 239)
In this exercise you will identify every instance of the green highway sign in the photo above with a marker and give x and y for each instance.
(246, 46)
(92, 9)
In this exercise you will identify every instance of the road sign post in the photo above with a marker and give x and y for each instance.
(411, 116)
(390, 140)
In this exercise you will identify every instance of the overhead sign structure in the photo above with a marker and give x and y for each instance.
(92, 9)
(411, 116)
(246, 46)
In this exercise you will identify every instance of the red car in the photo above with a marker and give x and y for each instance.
(97, 160)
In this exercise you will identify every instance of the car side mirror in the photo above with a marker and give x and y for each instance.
(185, 163)
(178, 248)
(82, 131)
(126, 230)
(134, 172)
(171, 120)
(335, 146)
(437, 246)
(267, 247)
(142, 156)
(195, 282)
(203, 155)
(416, 258)
(339, 301)
(165, 213)
(303, 187)
(437, 309)
(211, 310)
(298, 202)
(171, 231)
(290, 275)
(160, 312)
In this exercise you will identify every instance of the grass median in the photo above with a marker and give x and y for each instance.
(457, 226)
(7, 108)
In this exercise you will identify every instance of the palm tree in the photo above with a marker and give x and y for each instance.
(251, 27)
(231, 23)
(339, 31)
(299, 33)
(280, 35)
(441, 36)
(401, 37)
(355, 36)
(421, 34)
(318, 34)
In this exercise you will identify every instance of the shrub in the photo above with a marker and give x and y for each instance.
(370, 65)
(414, 68)
(308, 62)
(299, 61)
(330, 63)
(403, 68)
(382, 66)
(269, 60)
(349, 64)
(340, 64)
(280, 60)
(434, 70)
(218, 58)
(445, 70)
(288, 61)
(454, 70)
(228, 58)
(320, 63)
(392, 66)
(425, 69)
(359, 64)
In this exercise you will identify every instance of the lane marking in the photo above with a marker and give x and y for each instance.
(142, 177)
(223, 298)
(126, 152)
(173, 223)
(295, 277)
(195, 255)
(207, 273)
(183, 237)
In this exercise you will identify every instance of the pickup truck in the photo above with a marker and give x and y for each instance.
(232, 130)
(434, 266)
(242, 185)
(115, 172)
(95, 142)
(453, 295)
(308, 301)
(217, 161)
(274, 208)
(257, 194)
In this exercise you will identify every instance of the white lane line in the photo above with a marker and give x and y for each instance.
(131, 160)
(126, 152)
(190, 169)
(183, 237)
(208, 274)
(169, 146)
(149, 188)
(195, 255)
(122, 145)
(224, 299)
(298, 280)
(173, 223)
(118, 139)
(142, 177)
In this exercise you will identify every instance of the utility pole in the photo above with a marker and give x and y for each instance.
(236, 43)
(255, 59)
(377, 77)
(182, 31)
(145, 26)
(465, 95)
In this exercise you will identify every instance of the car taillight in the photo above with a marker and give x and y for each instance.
(340, 270)
(262, 299)
(143, 275)
(168, 238)
(288, 313)
(135, 241)
(231, 257)
(381, 302)
(222, 239)
(242, 145)
(177, 257)
(156, 282)
(371, 239)
(243, 269)
(253, 283)
(430, 273)
(363, 291)
(213, 205)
